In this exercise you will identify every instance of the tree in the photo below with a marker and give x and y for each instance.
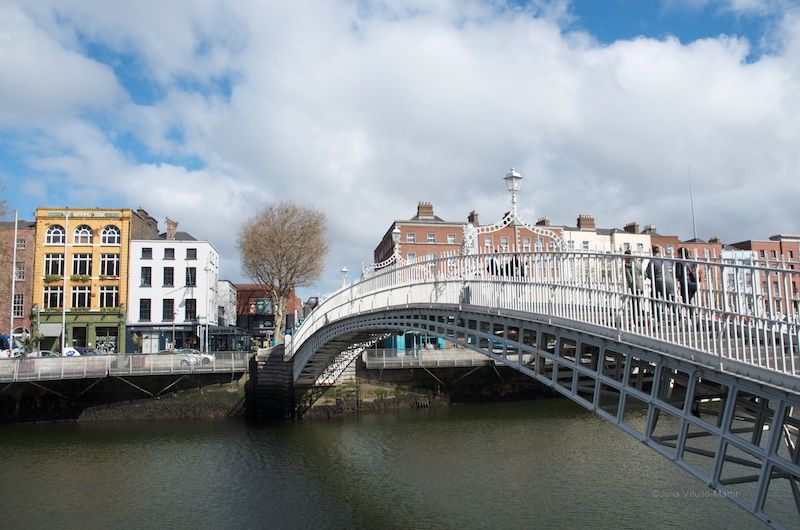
(283, 247)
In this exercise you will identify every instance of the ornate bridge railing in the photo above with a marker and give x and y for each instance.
(738, 312)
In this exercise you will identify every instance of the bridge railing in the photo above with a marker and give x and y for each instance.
(42, 369)
(736, 310)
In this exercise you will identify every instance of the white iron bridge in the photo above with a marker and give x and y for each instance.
(707, 379)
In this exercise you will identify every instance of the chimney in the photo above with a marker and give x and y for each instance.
(585, 222)
(714, 239)
(543, 221)
(649, 228)
(473, 218)
(425, 210)
(172, 227)
(632, 227)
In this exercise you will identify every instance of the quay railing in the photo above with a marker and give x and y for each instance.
(388, 358)
(735, 310)
(53, 368)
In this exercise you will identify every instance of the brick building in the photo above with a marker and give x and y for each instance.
(254, 314)
(783, 252)
(22, 302)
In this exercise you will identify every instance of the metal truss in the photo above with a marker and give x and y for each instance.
(737, 435)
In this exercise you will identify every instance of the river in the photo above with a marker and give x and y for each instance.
(541, 464)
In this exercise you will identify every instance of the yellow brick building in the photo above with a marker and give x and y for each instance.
(81, 274)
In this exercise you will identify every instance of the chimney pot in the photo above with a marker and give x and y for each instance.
(473, 218)
(425, 209)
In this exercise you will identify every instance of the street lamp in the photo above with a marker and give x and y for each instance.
(513, 180)
(344, 276)
(396, 240)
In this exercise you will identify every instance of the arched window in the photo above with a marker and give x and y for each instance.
(54, 235)
(83, 235)
(110, 235)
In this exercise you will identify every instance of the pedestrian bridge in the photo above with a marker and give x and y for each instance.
(710, 381)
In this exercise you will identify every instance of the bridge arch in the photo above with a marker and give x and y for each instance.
(565, 321)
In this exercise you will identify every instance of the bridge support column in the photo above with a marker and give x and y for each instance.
(269, 394)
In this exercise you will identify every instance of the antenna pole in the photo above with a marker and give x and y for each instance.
(691, 199)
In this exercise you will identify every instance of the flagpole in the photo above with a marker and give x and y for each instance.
(64, 287)
(13, 279)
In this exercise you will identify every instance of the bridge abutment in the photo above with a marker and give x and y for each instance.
(269, 393)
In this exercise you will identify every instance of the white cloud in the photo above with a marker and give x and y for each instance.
(362, 109)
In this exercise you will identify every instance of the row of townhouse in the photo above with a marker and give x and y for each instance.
(106, 278)
(428, 236)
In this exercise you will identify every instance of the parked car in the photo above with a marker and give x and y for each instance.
(83, 351)
(69, 351)
(205, 357)
(43, 354)
(185, 359)
(13, 353)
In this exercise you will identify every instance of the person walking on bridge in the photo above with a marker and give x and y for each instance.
(686, 276)
(635, 280)
(661, 275)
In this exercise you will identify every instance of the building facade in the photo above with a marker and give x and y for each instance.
(254, 315)
(16, 276)
(780, 252)
(226, 303)
(173, 293)
(80, 277)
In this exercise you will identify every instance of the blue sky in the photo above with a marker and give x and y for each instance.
(204, 110)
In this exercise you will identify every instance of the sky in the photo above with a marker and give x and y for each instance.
(206, 111)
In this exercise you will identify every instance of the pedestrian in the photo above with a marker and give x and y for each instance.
(660, 273)
(686, 276)
(635, 280)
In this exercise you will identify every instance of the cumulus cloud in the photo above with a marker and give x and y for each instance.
(362, 109)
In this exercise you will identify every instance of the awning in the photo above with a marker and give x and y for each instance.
(50, 329)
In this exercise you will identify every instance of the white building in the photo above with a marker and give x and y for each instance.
(586, 237)
(742, 289)
(172, 292)
(226, 303)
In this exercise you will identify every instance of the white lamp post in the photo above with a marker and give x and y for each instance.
(344, 276)
(513, 180)
(396, 240)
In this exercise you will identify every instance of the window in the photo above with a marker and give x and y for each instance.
(82, 264)
(110, 235)
(109, 265)
(53, 297)
(54, 235)
(168, 310)
(640, 247)
(487, 241)
(147, 253)
(411, 238)
(169, 277)
(19, 271)
(82, 235)
(504, 243)
(540, 243)
(762, 253)
(144, 310)
(570, 245)
(147, 277)
(773, 254)
(191, 277)
(411, 257)
(54, 264)
(21, 244)
(191, 309)
(451, 239)
(80, 296)
(585, 246)
(626, 247)
(191, 253)
(526, 243)
(169, 253)
(431, 238)
(706, 253)
(670, 250)
(19, 303)
(109, 296)
(431, 256)
(789, 253)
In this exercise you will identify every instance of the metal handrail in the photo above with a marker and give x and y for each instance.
(742, 312)
(38, 369)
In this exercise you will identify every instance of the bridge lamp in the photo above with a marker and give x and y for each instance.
(513, 181)
(344, 276)
(396, 240)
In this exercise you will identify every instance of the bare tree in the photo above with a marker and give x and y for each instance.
(283, 247)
